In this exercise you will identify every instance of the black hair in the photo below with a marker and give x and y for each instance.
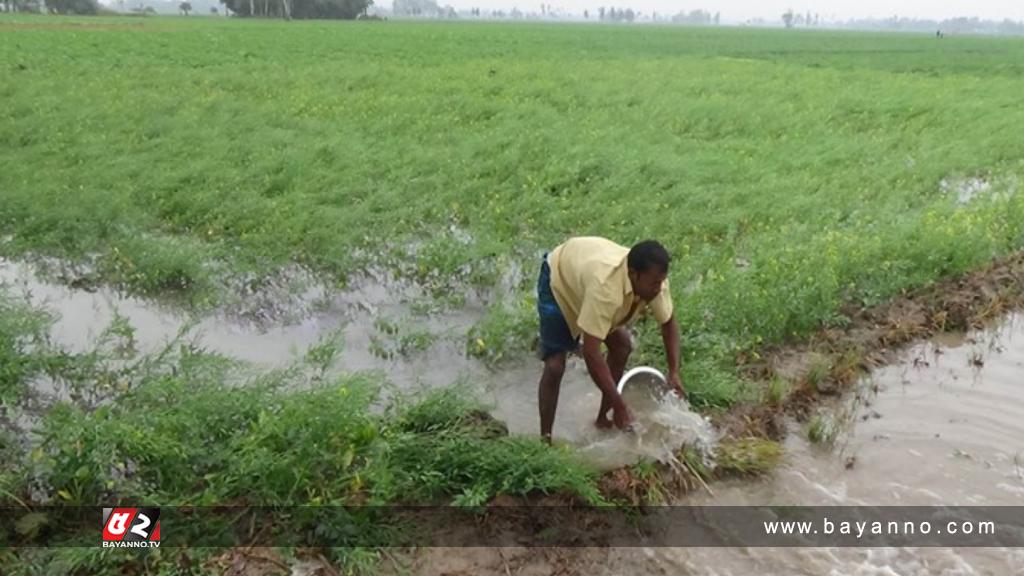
(648, 254)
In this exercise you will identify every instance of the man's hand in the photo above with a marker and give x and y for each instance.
(676, 384)
(621, 417)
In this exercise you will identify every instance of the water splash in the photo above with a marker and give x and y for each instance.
(663, 424)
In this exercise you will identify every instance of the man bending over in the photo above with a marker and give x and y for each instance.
(594, 287)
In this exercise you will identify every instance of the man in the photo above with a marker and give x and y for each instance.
(593, 287)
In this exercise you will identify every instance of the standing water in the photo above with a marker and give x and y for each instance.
(945, 427)
(941, 426)
(511, 391)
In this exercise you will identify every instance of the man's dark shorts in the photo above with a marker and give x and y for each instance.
(555, 336)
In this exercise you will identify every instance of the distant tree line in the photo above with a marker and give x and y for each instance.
(693, 17)
(343, 9)
(299, 9)
(697, 18)
(961, 25)
(791, 19)
(616, 14)
(21, 5)
(422, 9)
(51, 6)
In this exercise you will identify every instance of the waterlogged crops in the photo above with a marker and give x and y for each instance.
(196, 160)
(788, 173)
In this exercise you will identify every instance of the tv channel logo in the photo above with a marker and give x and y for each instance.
(131, 528)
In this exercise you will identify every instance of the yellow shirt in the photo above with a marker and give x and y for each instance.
(590, 281)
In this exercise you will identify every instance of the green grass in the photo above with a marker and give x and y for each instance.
(775, 391)
(823, 428)
(787, 172)
(181, 152)
(818, 372)
(747, 456)
(23, 339)
(265, 443)
(507, 328)
(181, 427)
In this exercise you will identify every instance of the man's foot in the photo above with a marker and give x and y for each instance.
(603, 422)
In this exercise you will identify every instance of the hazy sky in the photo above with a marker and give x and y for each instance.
(740, 10)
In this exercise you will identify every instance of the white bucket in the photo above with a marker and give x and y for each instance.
(647, 370)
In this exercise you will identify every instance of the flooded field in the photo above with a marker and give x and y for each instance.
(510, 390)
(357, 209)
(943, 426)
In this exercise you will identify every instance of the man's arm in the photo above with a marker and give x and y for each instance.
(602, 376)
(670, 336)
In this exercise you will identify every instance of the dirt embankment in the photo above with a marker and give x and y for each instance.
(824, 366)
(832, 359)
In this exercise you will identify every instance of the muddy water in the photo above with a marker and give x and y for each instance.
(941, 426)
(663, 422)
(511, 391)
(945, 425)
(83, 315)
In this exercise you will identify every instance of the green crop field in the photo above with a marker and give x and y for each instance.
(787, 172)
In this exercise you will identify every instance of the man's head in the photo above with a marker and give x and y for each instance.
(648, 267)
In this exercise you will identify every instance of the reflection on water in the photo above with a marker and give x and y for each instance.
(946, 426)
(941, 426)
(357, 314)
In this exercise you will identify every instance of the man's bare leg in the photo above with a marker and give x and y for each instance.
(620, 345)
(547, 392)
